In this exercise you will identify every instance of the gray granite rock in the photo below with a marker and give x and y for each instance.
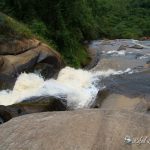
(76, 130)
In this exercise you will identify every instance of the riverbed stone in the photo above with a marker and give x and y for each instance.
(122, 47)
(136, 46)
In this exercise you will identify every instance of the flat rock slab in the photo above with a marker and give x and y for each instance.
(122, 102)
(76, 130)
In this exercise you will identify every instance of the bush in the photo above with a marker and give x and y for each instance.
(67, 23)
(10, 27)
(39, 28)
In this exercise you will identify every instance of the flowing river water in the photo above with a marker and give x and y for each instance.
(119, 66)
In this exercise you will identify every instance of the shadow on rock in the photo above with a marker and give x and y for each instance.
(32, 105)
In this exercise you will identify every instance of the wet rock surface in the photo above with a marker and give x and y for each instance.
(6, 114)
(1, 120)
(129, 91)
(120, 54)
(137, 84)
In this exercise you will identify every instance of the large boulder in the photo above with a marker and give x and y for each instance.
(17, 46)
(122, 102)
(20, 51)
(82, 130)
(136, 46)
(12, 65)
(126, 92)
(32, 105)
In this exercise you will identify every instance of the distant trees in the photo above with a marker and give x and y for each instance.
(67, 23)
(123, 19)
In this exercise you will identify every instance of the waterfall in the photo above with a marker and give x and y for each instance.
(79, 87)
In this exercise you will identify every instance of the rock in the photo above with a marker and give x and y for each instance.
(6, 113)
(137, 47)
(51, 103)
(1, 61)
(122, 47)
(117, 63)
(17, 46)
(20, 51)
(1, 120)
(13, 65)
(121, 102)
(101, 96)
(86, 42)
(7, 84)
(27, 59)
(94, 58)
(106, 42)
(46, 70)
(82, 130)
(32, 105)
(148, 62)
(147, 65)
(130, 85)
(145, 38)
(126, 92)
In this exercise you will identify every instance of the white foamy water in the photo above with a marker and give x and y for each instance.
(138, 43)
(77, 86)
(116, 53)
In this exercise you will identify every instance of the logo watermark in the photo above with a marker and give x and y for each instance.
(137, 140)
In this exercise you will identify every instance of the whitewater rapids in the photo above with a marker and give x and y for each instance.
(77, 86)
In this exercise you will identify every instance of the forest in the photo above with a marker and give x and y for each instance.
(66, 24)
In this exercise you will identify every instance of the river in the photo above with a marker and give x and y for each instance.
(121, 67)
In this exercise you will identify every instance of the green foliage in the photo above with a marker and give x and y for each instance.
(67, 23)
(12, 28)
(122, 19)
(39, 28)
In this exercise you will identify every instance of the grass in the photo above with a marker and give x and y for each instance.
(9, 27)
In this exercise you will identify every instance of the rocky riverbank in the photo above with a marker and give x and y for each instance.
(128, 91)
(21, 51)
(22, 55)
(121, 120)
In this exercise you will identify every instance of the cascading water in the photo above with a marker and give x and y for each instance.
(77, 86)
(139, 44)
